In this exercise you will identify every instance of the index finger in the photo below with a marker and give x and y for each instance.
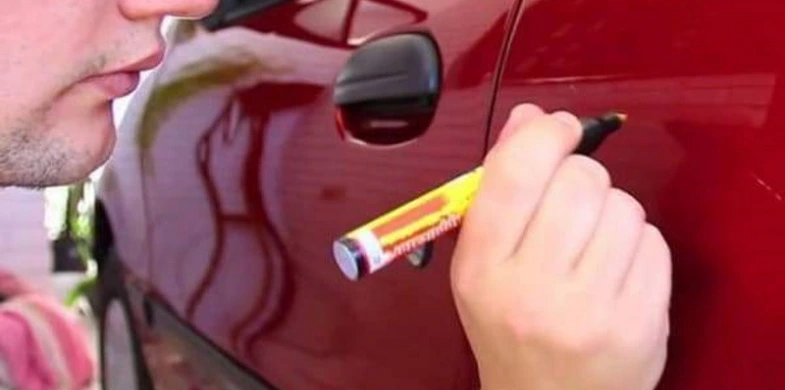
(517, 172)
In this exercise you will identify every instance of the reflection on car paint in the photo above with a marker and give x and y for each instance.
(702, 151)
(271, 300)
(202, 148)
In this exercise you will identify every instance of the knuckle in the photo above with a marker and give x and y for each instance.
(462, 285)
(528, 320)
(661, 255)
(522, 327)
(657, 242)
(567, 119)
(626, 204)
(631, 340)
(640, 337)
(586, 337)
(463, 289)
(654, 233)
(526, 110)
(513, 173)
(666, 329)
(566, 126)
(519, 116)
(588, 172)
(583, 340)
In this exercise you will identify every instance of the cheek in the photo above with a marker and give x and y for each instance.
(28, 91)
(25, 89)
(46, 46)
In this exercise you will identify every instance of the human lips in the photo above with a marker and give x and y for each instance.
(116, 84)
(124, 80)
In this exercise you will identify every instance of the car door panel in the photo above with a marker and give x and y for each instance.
(702, 150)
(248, 182)
(121, 204)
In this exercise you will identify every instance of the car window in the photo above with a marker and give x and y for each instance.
(229, 12)
(324, 22)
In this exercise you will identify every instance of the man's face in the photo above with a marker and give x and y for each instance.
(62, 62)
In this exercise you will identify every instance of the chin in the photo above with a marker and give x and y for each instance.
(105, 148)
(96, 154)
(89, 147)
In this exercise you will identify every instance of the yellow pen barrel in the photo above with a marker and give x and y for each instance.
(373, 246)
(393, 235)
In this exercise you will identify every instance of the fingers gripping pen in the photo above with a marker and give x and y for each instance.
(398, 233)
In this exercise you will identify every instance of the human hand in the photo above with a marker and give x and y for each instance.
(558, 280)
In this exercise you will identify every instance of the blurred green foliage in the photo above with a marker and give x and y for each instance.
(78, 232)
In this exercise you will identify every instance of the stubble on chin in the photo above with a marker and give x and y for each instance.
(30, 158)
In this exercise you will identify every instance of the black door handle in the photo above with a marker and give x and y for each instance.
(389, 89)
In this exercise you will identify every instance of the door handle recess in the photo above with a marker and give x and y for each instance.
(387, 92)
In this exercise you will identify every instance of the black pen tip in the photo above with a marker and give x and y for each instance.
(613, 120)
(595, 130)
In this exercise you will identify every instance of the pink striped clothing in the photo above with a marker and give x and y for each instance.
(42, 346)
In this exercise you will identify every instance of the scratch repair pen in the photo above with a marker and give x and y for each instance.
(400, 232)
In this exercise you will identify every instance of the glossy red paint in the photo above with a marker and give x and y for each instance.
(702, 150)
(247, 183)
(231, 180)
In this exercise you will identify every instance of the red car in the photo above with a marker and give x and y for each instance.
(276, 126)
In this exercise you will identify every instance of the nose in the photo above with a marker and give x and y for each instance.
(142, 9)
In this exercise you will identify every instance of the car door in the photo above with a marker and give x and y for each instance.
(248, 181)
(703, 151)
